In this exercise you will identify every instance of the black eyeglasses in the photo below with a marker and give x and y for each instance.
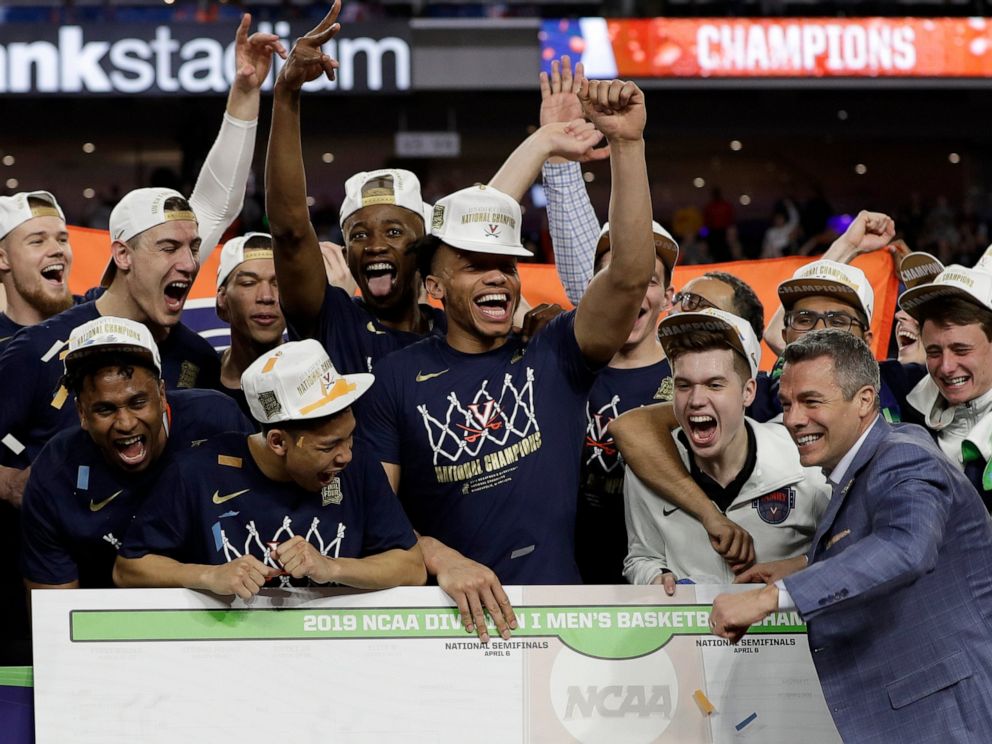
(806, 320)
(690, 302)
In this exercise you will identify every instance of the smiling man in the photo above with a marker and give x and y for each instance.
(90, 479)
(897, 593)
(381, 216)
(299, 502)
(35, 258)
(955, 316)
(480, 432)
(154, 262)
(247, 299)
(749, 470)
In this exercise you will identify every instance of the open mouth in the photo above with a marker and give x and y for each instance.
(380, 277)
(54, 273)
(702, 429)
(954, 383)
(175, 294)
(265, 319)
(131, 450)
(906, 337)
(494, 305)
(326, 477)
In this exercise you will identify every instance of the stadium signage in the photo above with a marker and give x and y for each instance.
(184, 59)
(774, 47)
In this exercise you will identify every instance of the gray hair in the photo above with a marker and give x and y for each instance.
(854, 364)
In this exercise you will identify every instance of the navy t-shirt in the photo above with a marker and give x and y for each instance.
(898, 380)
(37, 406)
(216, 505)
(77, 507)
(354, 339)
(8, 328)
(489, 446)
(600, 529)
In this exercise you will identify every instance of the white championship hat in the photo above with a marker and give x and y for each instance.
(108, 333)
(140, 210)
(384, 186)
(480, 219)
(665, 245)
(973, 285)
(737, 331)
(827, 278)
(15, 210)
(234, 253)
(296, 382)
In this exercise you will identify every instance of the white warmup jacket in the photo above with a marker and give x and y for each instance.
(779, 505)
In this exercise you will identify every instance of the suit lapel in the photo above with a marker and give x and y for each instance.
(840, 490)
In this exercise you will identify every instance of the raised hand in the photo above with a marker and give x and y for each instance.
(559, 92)
(868, 232)
(307, 61)
(253, 56)
(615, 107)
(576, 140)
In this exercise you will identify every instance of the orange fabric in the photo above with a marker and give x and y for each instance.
(91, 251)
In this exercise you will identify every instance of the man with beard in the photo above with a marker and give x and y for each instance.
(247, 299)
(35, 258)
(381, 216)
(89, 480)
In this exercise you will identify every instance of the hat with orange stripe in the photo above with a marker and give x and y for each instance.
(297, 382)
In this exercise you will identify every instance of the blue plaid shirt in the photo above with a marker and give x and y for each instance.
(573, 224)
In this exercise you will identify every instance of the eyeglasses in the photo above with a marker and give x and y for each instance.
(806, 320)
(691, 302)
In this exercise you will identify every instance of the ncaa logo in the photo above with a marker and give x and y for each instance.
(601, 700)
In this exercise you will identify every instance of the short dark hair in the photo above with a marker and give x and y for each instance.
(854, 364)
(85, 367)
(425, 249)
(699, 341)
(746, 302)
(945, 311)
(301, 426)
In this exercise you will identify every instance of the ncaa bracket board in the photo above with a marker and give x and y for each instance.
(588, 664)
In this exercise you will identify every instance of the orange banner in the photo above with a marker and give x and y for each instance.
(774, 47)
(91, 251)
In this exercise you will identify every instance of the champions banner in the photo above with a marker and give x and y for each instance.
(586, 664)
(91, 251)
(773, 47)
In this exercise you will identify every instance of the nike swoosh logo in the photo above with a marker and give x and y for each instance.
(218, 499)
(94, 507)
(372, 329)
(421, 377)
(669, 512)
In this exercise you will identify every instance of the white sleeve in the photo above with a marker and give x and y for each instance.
(219, 193)
(646, 557)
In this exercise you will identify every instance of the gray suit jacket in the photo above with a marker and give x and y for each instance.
(898, 597)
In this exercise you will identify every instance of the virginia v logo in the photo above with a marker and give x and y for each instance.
(599, 446)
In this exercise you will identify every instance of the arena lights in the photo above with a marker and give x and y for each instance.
(88, 193)
(954, 158)
(745, 200)
(311, 201)
(588, 177)
(12, 183)
(842, 115)
(327, 157)
(8, 160)
(861, 169)
(736, 145)
(89, 148)
(699, 182)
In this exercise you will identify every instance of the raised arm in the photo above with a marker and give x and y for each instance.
(219, 193)
(299, 264)
(609, 308)
(644, 438)
(572, 220)
(869, 232)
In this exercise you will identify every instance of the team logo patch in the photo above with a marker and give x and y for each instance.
(331, 493)
(492, 231)
(666, 390)
(775, 507)
(188, 373)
